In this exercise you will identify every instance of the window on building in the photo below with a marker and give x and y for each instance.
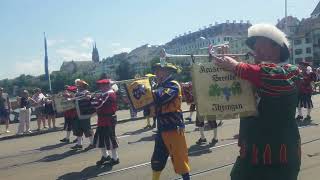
(298, 51)
(297, 42)
(225, 38)
(309, 59)
(308, 50)
(308, 40)
(298, 60)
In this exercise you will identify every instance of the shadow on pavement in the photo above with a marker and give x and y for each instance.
(89, 172)
(137, 131)
(148, 138)
(198, 150)
(57, 157)
(50, 147)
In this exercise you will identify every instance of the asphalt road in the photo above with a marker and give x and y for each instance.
(44, 157)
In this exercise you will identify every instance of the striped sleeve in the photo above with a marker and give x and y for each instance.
(250, 72)
(271, 79)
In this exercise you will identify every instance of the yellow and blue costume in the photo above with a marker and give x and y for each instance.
(170, 139)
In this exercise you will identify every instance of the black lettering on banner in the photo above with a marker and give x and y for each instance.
(229, 107)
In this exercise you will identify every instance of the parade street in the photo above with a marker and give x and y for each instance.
(44, 157)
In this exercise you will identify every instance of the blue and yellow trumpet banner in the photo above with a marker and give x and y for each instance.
(221, 93)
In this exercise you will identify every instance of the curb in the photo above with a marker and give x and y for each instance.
(121, 121)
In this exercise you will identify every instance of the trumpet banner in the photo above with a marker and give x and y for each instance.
(139, 93)
(221, 93)
(61, 104)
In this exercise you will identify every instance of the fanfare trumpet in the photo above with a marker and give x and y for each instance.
(213, 51)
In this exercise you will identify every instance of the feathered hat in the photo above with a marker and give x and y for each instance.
(271, 32)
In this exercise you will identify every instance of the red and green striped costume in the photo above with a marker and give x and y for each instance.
(270, 142)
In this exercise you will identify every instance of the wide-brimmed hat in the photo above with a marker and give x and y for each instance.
(149, 75)
(167, 66)
(271, 32)
(81, 83)
(103, 81)
(71, 88)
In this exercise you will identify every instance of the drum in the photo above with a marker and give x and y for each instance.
(84, 107)
(139, 93)
(61, 104)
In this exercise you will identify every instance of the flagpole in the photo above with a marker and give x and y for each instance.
(47, 63)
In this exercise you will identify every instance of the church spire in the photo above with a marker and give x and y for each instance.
(95, 53)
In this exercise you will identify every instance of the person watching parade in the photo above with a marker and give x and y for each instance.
(105, 138)
(270, 146)
(25, 103)
(82, 124)
(70, 116)
(39, 98)
(305, 93)
(170, 138)
(4, 109)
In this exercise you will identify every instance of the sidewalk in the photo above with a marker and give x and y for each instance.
(123, 117)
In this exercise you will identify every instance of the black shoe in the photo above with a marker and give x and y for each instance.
(65, 140)
(77, 147)
(188, 119)
(114, 162)
(103, 160)
(91, 146)
(214, 141)
(74, 141)
(147, 127)
(299, 118)
(201, 141)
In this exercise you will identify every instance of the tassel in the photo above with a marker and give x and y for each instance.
(283, 154)
(243, 150)
(267, 155)
(254, 154)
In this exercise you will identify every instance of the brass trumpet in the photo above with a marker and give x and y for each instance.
(212, 53)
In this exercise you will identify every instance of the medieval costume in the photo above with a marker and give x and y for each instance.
(188, 96)
(82, 124)
(270, 141)
(212, 124)
(170, 139)
(105, 137)
(305, 93)
(69, 115)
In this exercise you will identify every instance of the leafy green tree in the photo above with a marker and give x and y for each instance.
(125, 70)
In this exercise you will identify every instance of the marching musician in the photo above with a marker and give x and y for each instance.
(105, 137)
(170, 139)
(212, 124)
(82, 123)
(187, 93)
(305, 93)
(267, 151)
(70, 116)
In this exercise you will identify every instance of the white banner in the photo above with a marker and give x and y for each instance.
(221, 93)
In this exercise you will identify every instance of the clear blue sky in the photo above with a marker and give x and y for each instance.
(116, 26)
